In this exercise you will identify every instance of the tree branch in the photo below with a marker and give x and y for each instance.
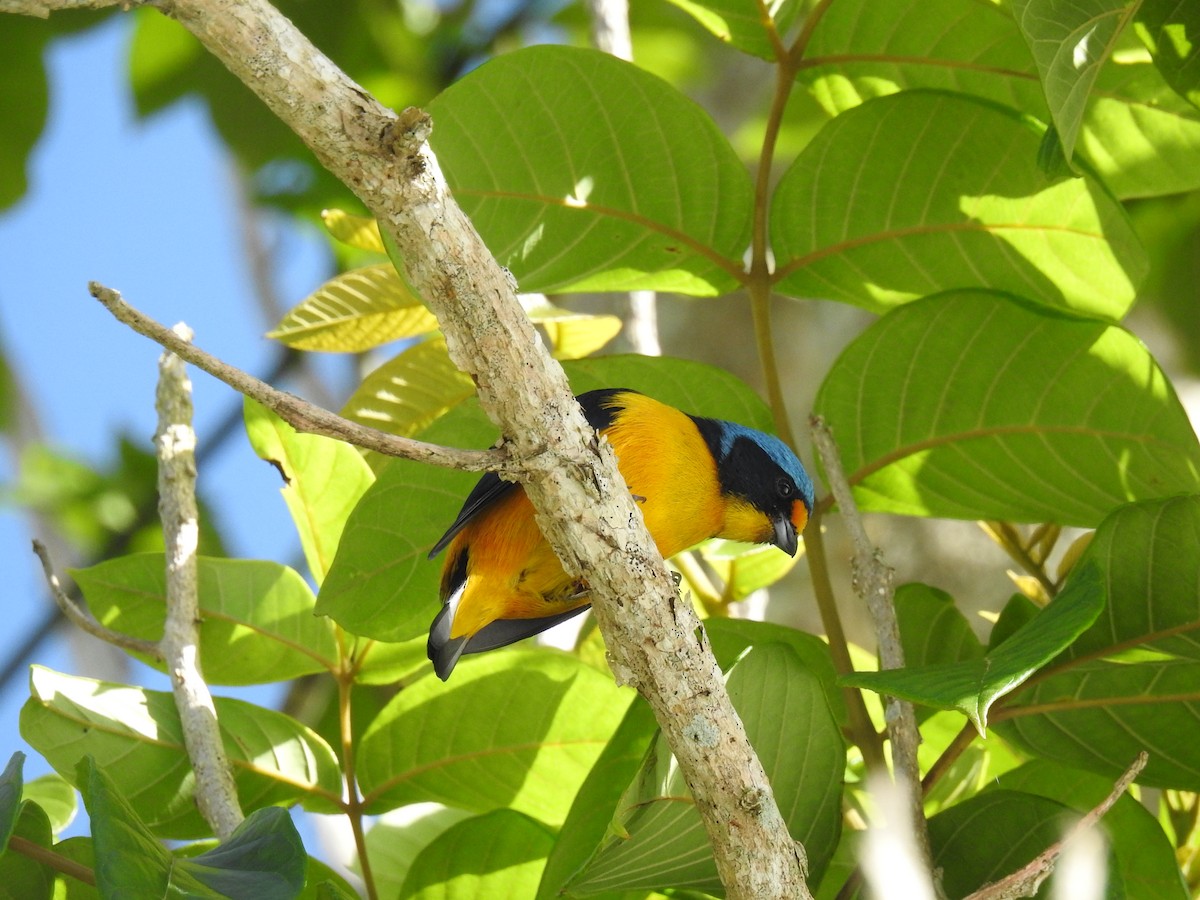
(873, 580)
(300, 414)
(175, 441)
(1026, 880)
(83, 619)
(584, 508)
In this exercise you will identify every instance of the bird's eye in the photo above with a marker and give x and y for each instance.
(784, 486)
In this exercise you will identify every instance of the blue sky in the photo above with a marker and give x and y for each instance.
(146, 208)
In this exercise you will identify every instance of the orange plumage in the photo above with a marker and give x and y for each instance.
(700, 478)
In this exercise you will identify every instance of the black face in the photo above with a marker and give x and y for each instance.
(747, 471)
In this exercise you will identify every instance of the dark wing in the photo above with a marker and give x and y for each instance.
(599, 412)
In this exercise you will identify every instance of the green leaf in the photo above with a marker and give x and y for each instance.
(360, 232)
(972, 770)
(588, 822)
(408, 392)
(11, 783)
(135, 735)
(583, 172)
(323, 480)
(355, 311)
(1145, 858)
(23, 102)
(257, 624)
(382, 585)
(991, 835)
(751, 26)
(973, 685)
(1139, 136)
(21, 877)
(746, 568)
(1129, 682)
(499, 854)
(398, 838)
(1070, 41)
(972, 405)
(925, 191)
(55, 795)
(657, 840)
(932, 629)
(1171, 29)
(517, 729)
(573, 335)
(263, 858)
(729, 639)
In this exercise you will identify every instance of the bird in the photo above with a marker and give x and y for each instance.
(694, 478)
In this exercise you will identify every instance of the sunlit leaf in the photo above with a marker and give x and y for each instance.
(972, 405)
(406, 393)
(322, 481)
(926, 191)
(355, 311)
(361, 232)
(754, 27)
(498, 854)
(257, 623)
(517, 729)
(584, 172)
(134, 735)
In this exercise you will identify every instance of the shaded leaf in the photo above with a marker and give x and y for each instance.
(11, 784)
(973, 685)
(587, 824)
(657, 839)
(1070, 41)
(925, 191)
(498, 854)
(518, 729)
(1171, 29)
(21, 876)
(263, 858)
(323, 480)
(932, 629)
(257, 624)
(991, 835)
(55, 795)
(135, 735)
(355, 311)
(1129, 682)
(1144, 857)
(973, 405)
(584, 172)
(746, 568)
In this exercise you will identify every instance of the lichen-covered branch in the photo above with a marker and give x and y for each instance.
(874, 582)
(583, 505)
(300, 414)
(80, 617)
(175, 445)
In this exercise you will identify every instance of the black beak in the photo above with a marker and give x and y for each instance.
(785, 535)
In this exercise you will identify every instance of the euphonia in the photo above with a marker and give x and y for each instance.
(694, 479)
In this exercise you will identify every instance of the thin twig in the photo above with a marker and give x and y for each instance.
(1026, 880)
(84, 619)
(300, 414)
(51, 859)
(175, 442)
(873, 580)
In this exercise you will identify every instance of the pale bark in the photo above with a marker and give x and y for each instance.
(583, 506)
